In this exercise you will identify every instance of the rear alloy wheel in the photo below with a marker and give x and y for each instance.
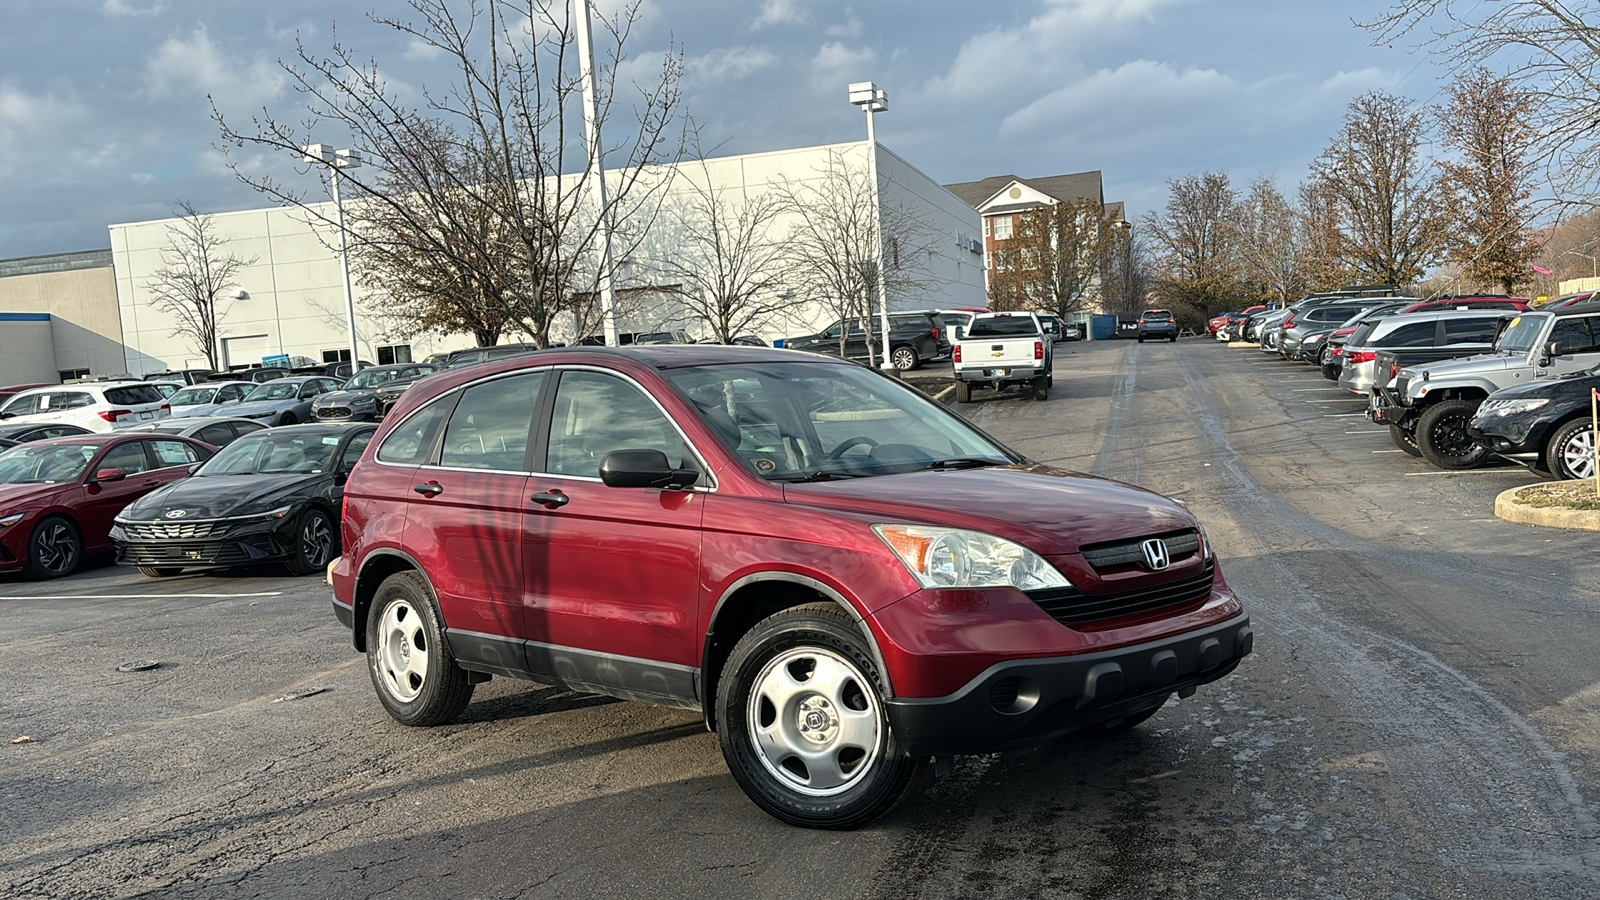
(1442, 435)
(412, 668)
(1404, 439)
(904, 358)
(160, 571)
(54, 550)
(315, 544)
(1570, 453)
(802, 722)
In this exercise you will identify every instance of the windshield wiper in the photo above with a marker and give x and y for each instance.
(818, 476)
(965, 462)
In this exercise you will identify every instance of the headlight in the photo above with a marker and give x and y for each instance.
(11, 520)
(951, 557)
(1500, 408)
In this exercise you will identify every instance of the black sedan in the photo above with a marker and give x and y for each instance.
(23, 432)
(1546, 425)
(271, 496)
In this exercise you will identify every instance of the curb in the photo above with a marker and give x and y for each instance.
(945, 394)
(1548, 516)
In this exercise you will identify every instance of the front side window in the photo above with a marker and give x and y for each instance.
(21, 405)
(1573, 335)
(490, 425)
(129, 457)
(596, 413)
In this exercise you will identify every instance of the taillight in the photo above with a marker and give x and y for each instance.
(1038, 350)
(1337, 351)
(934, 332)
(166, 407)
(957, 354)
(1141, 321)
(1394, 369)
(344, 507)
(110, 415)
(1361, 356)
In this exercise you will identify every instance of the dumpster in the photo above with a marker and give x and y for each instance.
(1102, 327)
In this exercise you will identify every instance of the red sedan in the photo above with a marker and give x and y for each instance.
(57, 498)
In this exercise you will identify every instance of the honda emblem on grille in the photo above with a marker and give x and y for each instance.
(176, 513)
(1155, 554)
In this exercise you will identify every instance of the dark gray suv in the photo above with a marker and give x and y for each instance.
(914, 338)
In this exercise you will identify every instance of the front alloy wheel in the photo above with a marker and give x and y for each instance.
(54, 550)
(803, 725)
(1571, 451)
(314, 544)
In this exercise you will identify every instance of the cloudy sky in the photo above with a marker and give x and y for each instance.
(104, 115)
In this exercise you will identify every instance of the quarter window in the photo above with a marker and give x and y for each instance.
(489, 428)
(596, 414)
(413, 441)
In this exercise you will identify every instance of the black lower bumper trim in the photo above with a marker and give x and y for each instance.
(1033, 701)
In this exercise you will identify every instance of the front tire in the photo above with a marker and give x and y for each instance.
(1570, 453)
(288, 419)
(315, 544)
(160, 571)
(1442, 435)
(1404, 439)
(803, 725)
(54, 550)
(412, 668)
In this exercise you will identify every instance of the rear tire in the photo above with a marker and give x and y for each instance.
(803, 725)
(1040, 388)
(1442, 435)
(1404, 439)
(160, 571)
(904, 358)
(1570, 453)
(412, 668)
(963, 392)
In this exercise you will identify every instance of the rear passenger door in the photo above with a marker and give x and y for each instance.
(613, 574)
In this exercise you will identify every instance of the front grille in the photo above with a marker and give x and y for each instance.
(1070, 606)
(165, 531)
(334, 412)
(1180, 546)
(211, 553)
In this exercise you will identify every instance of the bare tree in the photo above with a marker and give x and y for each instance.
(1568, 250)
(1195, 269)
(1487, 188)
(194, 273)
(829, 251)
(508, 124)
(1126, 279)
(1053, 260)
(728, 265)
(1390, 203)
(1270, 240)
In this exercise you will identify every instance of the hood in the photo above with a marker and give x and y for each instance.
(344, 398)
(199, 409)
(18, 496)
(1573, 385)
(1467, 366)
(242, 408)
(220, 496)
(1048, 510)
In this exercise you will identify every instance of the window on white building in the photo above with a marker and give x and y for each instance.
(395, 353)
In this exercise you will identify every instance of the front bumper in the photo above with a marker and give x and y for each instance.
(1027, 702)
(246, 545)
(1518, 438)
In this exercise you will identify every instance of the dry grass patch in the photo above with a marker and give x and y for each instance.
(1559, 495)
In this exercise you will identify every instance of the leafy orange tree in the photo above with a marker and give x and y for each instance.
(1487, 122)
(1053, 260)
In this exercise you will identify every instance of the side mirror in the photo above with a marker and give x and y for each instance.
(341, 477)
(1552, 349)
(643, 469)
(107, 476)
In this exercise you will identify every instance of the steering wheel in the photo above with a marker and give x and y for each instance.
(851, 442)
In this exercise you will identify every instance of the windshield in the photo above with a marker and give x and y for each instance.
(1002, 326)
(1520, 334)
(808, 422)
(274, 452)
(193, 396)
(274, 390)
(367, 379)
(36, 464)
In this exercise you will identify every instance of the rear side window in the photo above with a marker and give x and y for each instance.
(173, 453)
(1410, 334)
(1469, 331)
(412, 442)
(69, 400)
(1574, 335)
(489, 428)
(133, 395)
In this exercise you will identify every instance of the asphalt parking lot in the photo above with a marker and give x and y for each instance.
(1421, 717)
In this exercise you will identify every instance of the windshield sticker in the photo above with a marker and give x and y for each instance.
(330, 441)
(764, 466)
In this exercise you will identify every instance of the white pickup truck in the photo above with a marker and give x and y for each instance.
(1003, 349)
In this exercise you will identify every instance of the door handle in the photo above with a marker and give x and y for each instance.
(550, 499)
(431, 489)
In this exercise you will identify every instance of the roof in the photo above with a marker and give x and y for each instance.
(1066, 188)
(56, 262)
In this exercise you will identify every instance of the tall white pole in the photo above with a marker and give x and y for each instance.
(877, 238)
(596, 168)
(344, 263)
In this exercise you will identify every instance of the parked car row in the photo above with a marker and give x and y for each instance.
(1457, 381)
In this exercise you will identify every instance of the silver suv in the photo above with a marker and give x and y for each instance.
(1415, 339)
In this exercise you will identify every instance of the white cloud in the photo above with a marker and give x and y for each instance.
(781, 12)
(728, 62)
(37, 130)
(836, 66)
(1137, 93)
(418, 49)
(127, 8)
(850, 28)
(194, 65)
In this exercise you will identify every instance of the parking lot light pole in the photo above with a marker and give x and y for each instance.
(873, 100)
(336, 160)
(596, 167)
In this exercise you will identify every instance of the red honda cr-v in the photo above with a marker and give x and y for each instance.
(845, 578)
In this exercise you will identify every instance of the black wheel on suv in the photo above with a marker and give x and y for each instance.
(1570, 453)
(1404, 439)
(904, 357)
(802, 721)
(411, 665)
(1442, 435)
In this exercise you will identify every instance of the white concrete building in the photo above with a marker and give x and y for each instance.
(57, 320)
(293, 300)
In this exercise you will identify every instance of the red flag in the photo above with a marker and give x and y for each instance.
(1542, 271)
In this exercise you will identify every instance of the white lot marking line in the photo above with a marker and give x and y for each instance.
(1338, 400)
(1309, 390)
(1466, 472)
(1342, 415)
(1388, 451)
(142, 596)
(1370, 431)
